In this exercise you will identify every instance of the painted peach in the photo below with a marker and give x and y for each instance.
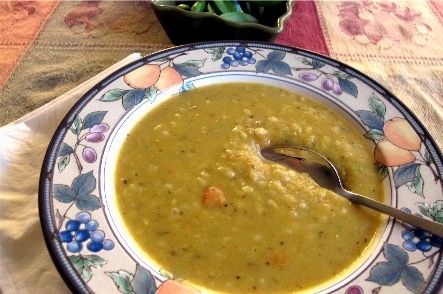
(169, 77)
(143, 77)
(400, 133)
(175, 287)
(389, 154)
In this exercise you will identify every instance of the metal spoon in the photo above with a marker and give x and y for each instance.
(325, 174)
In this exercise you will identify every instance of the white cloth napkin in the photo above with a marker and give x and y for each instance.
(25, 264)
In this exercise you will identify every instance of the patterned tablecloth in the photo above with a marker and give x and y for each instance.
(48, 48)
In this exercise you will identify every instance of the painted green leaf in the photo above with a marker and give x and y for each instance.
(88, 202)
(84, 183)
(263, 66)
(317, 64)
(122, 279)
(281, 68)
(348, 87)
(63, 162)
(377, 106)
(433, 211)
(417, 184)
(405, 174)
(143, 282)
(383, 171)
(151, 94)
(216, 53)
(113, 95)
(276, 55)
(132, 98)
(77, 125)
(413, 279)
(92, 119)
(84, 264)
(197, 63)
(394, 253)
(375, 135)
(340, 74)
(65, 150)
(185, 70)
(385, 273)
(63, 193)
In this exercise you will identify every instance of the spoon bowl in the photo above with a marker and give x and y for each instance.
(324, 173)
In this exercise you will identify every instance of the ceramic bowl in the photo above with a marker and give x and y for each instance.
(185, 26)
(83, 227)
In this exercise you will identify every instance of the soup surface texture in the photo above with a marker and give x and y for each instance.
(198, 198)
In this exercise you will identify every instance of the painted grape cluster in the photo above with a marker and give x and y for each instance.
(82, 229)
(416, 238)
(328, 84)
(237, 56)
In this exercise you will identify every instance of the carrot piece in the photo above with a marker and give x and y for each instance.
(213, 197)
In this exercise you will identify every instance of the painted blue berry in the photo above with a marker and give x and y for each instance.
(247, 54)
(92, 225)
(225, 65)
(72, 225)
(65, 236)
(108, 244)
(83, 217)
(94, 246)
(230, 51)
(238, 56)
(234, 63)
(405, 209)
(227, 59)
(74, 246)
(97, 235)
(244, 62)
(409, 245)
(407, 235)
(81, 235)
(424, 245)
(240, 49)
(436, 241)
(421, 234)
(252, 60)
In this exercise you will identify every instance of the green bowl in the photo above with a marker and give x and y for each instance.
(186, 26)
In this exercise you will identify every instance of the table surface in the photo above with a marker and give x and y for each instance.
(48, 48)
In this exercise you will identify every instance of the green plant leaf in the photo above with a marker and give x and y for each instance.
(122, 279)
(238, 17)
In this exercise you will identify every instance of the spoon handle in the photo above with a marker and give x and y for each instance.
(425, 224)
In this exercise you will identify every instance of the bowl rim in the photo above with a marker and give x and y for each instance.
(157, 4)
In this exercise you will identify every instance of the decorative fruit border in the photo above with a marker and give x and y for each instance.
(81, 241)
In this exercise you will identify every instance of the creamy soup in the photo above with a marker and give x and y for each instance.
(198, 198)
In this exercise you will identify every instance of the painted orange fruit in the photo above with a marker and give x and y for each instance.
(175, 287)
(169, 77)
(400, 133)
(389, 154)
(143, 77)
